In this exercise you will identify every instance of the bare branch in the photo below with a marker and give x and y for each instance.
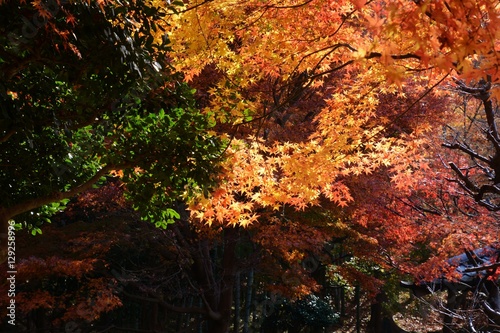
(291, 6)
(466, 149)
(482, 268)
(467, 183)
(492, 313)
(394, 56)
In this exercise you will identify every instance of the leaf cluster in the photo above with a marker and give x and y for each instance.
(88, 90)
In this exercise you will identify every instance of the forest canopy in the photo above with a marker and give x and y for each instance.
(262, 138)
(87, 93)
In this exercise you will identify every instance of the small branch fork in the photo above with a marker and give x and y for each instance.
(488, 166)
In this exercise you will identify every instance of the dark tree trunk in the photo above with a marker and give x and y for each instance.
(380, 321)
(248, 300)
(225, 288)
(237, 302)
(376, 318)
(451, 305)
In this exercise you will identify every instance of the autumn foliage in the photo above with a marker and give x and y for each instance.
(350, 54)
(70, 283)
(333, 115)
(372, 75)
(344, 105)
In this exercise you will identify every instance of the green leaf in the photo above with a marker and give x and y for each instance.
(35, 231)
(173, 213)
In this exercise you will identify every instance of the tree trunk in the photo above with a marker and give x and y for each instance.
(225, 288)
(380, 321)
(237, 305)
(452, 302)
(376, 318)
(248, 300)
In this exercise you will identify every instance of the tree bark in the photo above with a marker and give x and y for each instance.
(248, 301)
(226, 285)
(237, 302)
(380, 321)
(450, 306)
(375, 324)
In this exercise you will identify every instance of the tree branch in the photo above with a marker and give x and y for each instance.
(466, 149)
(394, 56)
(10, 212)
(482, 268)
(7, 135)
(291, 6)
(467, 183)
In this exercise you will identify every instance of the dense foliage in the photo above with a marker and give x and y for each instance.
(86, 91)
(360, 145)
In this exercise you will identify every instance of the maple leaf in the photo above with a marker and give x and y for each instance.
(358, 4)
(71, 19)
(375, 22)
